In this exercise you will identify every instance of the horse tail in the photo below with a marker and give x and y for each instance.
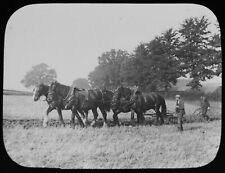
(163, 108)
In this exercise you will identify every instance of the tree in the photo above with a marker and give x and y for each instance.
(97, 77)
(40, 73)
(163, 53)
(81, 83)
(108, 72)
(195, 55)
(154, 65)
(215, 45)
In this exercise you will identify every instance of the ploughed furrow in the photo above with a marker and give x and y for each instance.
(31, 123)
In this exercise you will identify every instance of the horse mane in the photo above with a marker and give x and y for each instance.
(61, 89)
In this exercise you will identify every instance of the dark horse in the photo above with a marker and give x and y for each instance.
(57, 95)
(123, 101)
(90, 99)
(126, 99)
(43, 90)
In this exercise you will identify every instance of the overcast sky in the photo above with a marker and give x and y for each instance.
(70, 37)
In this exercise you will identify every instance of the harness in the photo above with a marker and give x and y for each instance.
(85, 93)
(122, 102)
(54, 98)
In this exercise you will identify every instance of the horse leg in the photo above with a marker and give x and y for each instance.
(75, 113)
(83, 116)
(161, 118)
(45, 121)
(140, 115)
(159, 115)
(60, 117)
(104, 114)
(132, 115)
(73, 118)
(80, 118)
(138, 118)
(115, 118)
(95, 113)
(86, 117)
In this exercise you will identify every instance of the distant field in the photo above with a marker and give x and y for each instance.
(14, 92)
(148, 146)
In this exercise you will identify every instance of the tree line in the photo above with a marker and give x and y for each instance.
(42, 73)
(192, 50)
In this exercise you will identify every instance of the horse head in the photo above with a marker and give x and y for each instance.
(135, 95)
(52, 92)
(53, 86)
(135, 91)
(39, 91)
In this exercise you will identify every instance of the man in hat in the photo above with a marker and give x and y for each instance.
(204, 107)
(180, 111)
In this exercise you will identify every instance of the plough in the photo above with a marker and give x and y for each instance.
(170, 116)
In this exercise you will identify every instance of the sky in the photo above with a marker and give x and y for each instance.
(71, 37)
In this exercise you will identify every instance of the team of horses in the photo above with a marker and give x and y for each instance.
(80, 101)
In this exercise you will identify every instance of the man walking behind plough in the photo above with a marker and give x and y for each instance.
(180, 111)
(205, 106)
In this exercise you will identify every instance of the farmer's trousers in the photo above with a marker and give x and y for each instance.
(180, 114)
(204, 111)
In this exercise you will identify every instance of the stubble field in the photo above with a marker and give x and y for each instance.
(128, 146)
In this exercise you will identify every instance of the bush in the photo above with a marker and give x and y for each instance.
(186, 95)
(194, 94)
(215, 95)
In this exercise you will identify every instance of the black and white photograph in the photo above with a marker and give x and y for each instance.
(112, 86)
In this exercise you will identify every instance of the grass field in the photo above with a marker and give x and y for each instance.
(148, 146)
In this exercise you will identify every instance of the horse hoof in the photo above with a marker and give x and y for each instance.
(105, 125)
(85, 122)
(62, 125)
(116, 123)
(85, 125)
(144, 123)
(81, 125)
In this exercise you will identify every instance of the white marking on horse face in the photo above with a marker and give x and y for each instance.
(34, 93)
